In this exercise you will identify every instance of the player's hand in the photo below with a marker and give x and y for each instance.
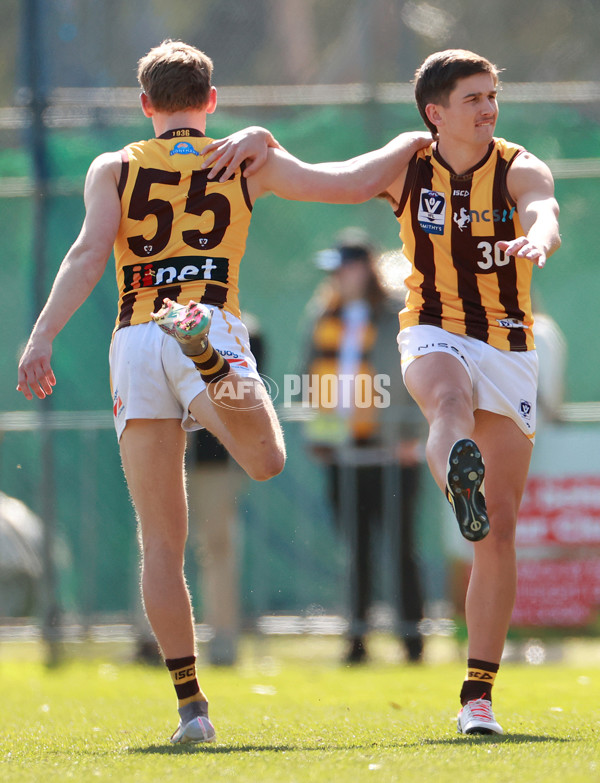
(251, 145)
(422, 139)
(523, 248)
(35, 372)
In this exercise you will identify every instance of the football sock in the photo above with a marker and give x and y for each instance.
(191, 700)
(211, 365)
(479, 680)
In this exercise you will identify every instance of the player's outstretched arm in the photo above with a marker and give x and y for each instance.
(531, 185)
(350, 181)
(344, 182)
(250, 144)
(79, 272)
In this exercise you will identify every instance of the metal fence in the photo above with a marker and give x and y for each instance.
(342, 97)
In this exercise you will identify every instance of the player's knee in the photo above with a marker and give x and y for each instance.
(450, 403)
(453, 399)
(166, 549)
(504, 540)
(502, 525)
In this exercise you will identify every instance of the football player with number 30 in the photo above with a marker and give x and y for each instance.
(476, 214)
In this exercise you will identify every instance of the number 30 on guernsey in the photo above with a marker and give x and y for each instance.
(492, 256)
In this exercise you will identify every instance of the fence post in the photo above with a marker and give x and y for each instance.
(33, 20)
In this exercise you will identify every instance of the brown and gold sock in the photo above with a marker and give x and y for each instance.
(191, 700)
(479, 680)
(210, 364)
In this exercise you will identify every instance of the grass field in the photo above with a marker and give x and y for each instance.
(291, 712)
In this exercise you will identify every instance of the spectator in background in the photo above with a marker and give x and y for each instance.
(215, 481)
(368, 443)
(551, 347)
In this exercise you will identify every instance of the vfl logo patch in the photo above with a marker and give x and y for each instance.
(181, 270)
(432, 211)
(525, 409)
(183, 148)
(512, 323)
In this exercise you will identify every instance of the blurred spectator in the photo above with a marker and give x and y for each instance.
(551, 347)
(366, 434)
(214, 481)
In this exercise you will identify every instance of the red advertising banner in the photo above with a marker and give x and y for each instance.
(563, 593)
(561, 512)
(558, 532)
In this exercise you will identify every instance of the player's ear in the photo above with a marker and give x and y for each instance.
(433, 114)
(211, 104)
(147, 107)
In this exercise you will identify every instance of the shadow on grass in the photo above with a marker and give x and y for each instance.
(511, 739)
(214, 749)
(218, 749)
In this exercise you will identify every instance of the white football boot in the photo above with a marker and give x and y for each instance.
(476, 717)
(199, 729)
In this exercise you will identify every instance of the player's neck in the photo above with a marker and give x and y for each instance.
(192, 118)
(461, 157)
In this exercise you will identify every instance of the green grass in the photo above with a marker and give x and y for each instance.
(290, 712)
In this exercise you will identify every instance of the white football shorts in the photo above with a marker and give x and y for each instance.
(151, 378)
(504, 382)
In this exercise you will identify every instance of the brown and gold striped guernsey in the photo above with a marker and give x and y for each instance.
(181, 235)
(450, 224)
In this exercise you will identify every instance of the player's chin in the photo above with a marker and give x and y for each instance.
(485, 131)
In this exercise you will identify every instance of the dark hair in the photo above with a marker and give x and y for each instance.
(175, 76)
(437, 77)
(365, 254)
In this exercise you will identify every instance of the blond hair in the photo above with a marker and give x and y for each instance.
(175, 76)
